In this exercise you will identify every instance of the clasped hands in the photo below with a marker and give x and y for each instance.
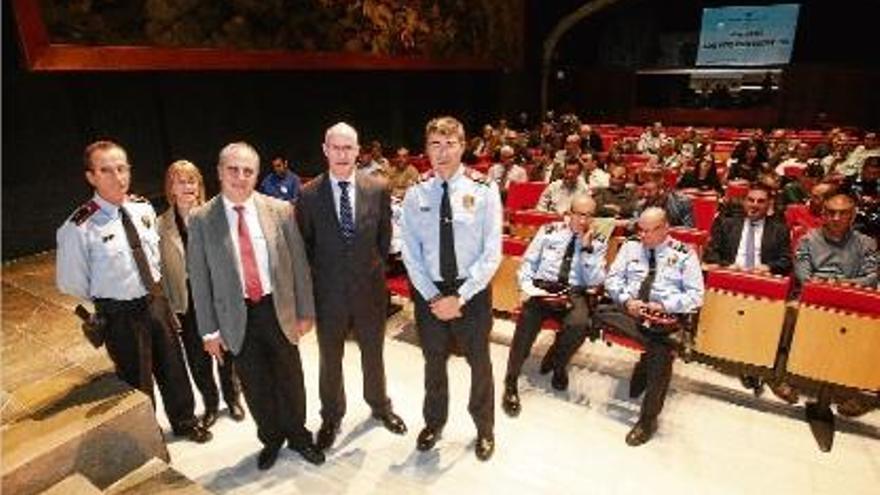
(446, 308)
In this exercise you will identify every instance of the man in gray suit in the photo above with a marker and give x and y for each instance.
(345, 219)
(253, 296)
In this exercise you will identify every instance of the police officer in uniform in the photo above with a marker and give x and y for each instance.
(451, 231)
(562, 261)
(108, 253)
(654, 274)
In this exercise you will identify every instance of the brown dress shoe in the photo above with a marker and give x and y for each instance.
(784, 391)
(642, 432)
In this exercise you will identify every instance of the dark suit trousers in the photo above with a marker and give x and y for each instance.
(471, 331)
(656, 361)
(141, 347)
(201, 365)
(272, 378)
(576, 325)
(331, 343)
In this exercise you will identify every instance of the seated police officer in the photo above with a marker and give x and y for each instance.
(562, 261)
(651, 280)
(108, 253)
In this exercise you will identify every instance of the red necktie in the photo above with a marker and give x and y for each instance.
(252, 286)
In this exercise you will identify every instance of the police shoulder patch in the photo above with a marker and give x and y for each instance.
(476, 176)
(84, 212)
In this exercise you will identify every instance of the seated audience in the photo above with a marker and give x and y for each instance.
(559, 193)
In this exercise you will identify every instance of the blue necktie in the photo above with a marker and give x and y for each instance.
(750, 244)
(346, 218)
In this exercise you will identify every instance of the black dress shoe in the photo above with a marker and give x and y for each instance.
(510, 402)
(236, 412)
(821, 421)
(392, 422)
(641, 432)
(485, 447)
(560, 379)
(784, 391)
(547, 362)
(327, 435)
(209, 418)
(196, 433)
(267, 457)
(309, 452)
(427, 438)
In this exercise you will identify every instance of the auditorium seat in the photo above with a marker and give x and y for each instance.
(836, 335)
(524, 195)
(525, 223)
(505, 289)
(694, 237)
(705, 208)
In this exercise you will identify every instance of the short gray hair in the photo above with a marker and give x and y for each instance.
(340, 128)
(234, 148)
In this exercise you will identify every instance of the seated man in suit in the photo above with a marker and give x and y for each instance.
(562, 261)
(756, 242)
(655, 274)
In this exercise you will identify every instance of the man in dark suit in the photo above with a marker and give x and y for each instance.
(758, 243)
(252, 292)
(755, 242)
(345, 219)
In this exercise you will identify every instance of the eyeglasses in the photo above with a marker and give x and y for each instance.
(237, 171)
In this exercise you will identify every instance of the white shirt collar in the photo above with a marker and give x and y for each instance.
(230, 206)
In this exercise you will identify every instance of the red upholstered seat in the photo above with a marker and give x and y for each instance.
(792, 171)
(737, 189)
(532, 217)
(399, 285)
(524, 195)
(705, 208)
(512, 246)
(771, 287)
(848, 298)
(622, 340)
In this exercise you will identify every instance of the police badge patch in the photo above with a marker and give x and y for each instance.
(468, 202)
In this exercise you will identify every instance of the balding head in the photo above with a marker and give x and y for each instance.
(653, 227)
(581, 212)
(341, 149)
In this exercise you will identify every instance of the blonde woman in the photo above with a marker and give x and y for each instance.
(185, 190)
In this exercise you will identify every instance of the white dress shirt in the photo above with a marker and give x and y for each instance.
(258, 241)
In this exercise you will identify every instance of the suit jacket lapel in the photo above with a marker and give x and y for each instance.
(168, 230)
(327, 203)
(270, 229)
(220, 227)
(738, 232)
(361, 210)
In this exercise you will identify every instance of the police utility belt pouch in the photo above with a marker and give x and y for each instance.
(93, 326)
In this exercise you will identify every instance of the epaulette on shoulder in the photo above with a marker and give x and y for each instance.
(476, 176)
(84, 212)
(134, 198)
(551, 227)
(678, 246)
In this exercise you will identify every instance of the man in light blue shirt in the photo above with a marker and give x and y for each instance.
(655, 274)
(108, 254)
(451, 231)
(562, 261)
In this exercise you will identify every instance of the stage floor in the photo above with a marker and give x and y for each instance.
(713, 437)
